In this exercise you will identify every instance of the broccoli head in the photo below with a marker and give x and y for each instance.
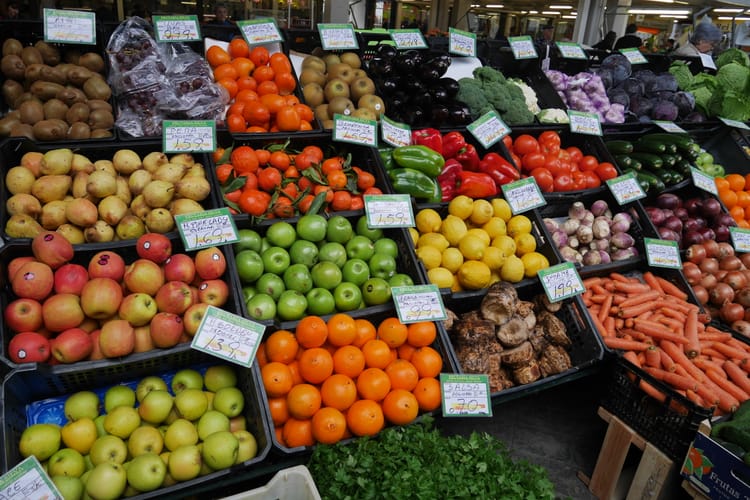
(470, 93)
(518, 114)
(498, 95)
(488, 74)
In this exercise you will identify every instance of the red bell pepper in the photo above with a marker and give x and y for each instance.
(430, 137)
(453, 142)
(468, 156)
(448, 178)
(499, 169)
(476, 185)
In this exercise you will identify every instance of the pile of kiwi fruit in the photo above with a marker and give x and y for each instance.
(54, 95)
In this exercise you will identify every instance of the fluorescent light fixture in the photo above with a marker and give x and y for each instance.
(662, 1)
(475, 5)
(495, 6)
(187, 3)
(561, 7)
(550, 13)
(670, 16)
(727, 18)
(728, 10)
(568, 17)
(533, 12)
(656, 12)
(524, 12)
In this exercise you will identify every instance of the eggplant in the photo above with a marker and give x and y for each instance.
(415, 116)
(423, 99)
(380, 67)
(450, 85)
(459, 114)
(440, 63)
(428, 73)
(407, 62)
(439, 115)
(386, 51)
(390, 85)
(438, 93)
(413, 85)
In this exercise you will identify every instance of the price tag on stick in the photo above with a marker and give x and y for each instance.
(662, 253)
(337, 36)
(488, 129)
(462, 43)
(584, 123)
(465, 395)
(228, 336)
(740, 238)
(394, 133)
(523, 195)
(355, 130)
(625, 188)
(388, 210)
(418, 303)
(561, 281)
(28, 480)
(207, 229)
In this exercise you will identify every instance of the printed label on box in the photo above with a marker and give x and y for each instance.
(466, 395)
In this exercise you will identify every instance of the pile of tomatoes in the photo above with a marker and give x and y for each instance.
(554, 167)
(279, 182)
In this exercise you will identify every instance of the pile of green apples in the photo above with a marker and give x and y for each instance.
(318, 266)
(167, 437)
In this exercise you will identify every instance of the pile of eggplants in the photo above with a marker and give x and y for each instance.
(414, 88)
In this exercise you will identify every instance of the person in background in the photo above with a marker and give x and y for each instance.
(703, 40)
(12, 11)
(544, 43)
(742, 37)
(607, 42)
(630, 39)
(221, 15)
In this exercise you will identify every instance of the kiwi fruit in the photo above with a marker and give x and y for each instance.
(6, 125)
(92, 61)
(101, 118)
(12, 90)
(55, 108)
(96, 88)
(26, 96)
(78, 112)
(77, 75)
(45, 90)
(79, 130)
(99, 104)
(50, 130)
(71, 55)
(22, 130)
(54, 75)
(32, 111)
(100, 133)
(31, 55)
(71, 95)
(50, 54)
(12, 46)
(13, 67)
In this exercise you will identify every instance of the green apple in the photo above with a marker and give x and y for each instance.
(122, 421)
(356, 271)
(156, 406)
(108, 449)
(297, 277)
(249, 265)
(66, 462)
(106, 481)
(291, 305)
(271, 284)
(229, 401)
(82, 404)
(148, 384)
(99, 424)
(281, 234)
(185, 463)
(339, 229)
(261, 307)
(191, 403)
(248, 240)
(400, 279)
(220, 450)
(382, 266)
(320, 302)
(362, 229)
(69, 487)
(333, 252)
(248, 448)
(79, 435)
(118, 395)
(360, 247)
(146, 472)
(40, 440)
(181, 432)
(326, 275)
(275, 260)
(89, 463)
(187, 378)
(145, 439)
(304, 252)
(347, 296)
(312, 227)
(212, 421)
(376, 291)
(219, 376)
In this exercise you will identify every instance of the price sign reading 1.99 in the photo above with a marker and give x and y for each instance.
(561, 281)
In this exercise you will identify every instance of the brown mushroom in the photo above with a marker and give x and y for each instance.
(499, 303)
(554, 360)
(472, 360)
(527, 374)
(518, 356)
(554, 329)
(513, 332)
(543, 304)
(498, 376)
(525, 310)
(538, 340)
(450, 320)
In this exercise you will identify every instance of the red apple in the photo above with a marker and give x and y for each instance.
(154, 247)
(23, 315)
(52, 248)
(106, 264)
(166, 329)
(213, 292)
(210, 263)
(143, 342)
(117, 338)
(137, 309)
(179, 267)
(174, 297)
(70, 278)
(144, 276)
(34, 280)
(89, 324)
(15, 264)
(28, 347)
(96, 352)
(72, 345)
(193, 317)
(101, 297)
(62, 312)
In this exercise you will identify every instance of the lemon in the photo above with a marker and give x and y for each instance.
(512, 270)
(414, 235)
(495, 227)
(472, 247)
(456, 286)
(440, 277)
(474, 275)
(533, 262)
(494, 258)
(452, 259)
(506, 244)
(481, 234)
(428, 221)
(525, 243)
(495, 277)
(519, 224)
(436, 240)
(481, 212)
(430, 256)
(453, 228)
(461, 206)
(501, 208)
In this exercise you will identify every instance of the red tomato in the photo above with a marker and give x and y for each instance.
(563, 183)
(606, 171)
(530, 161)
(555, 166)
(564, 155)
(551, 149)
(588, 163)
(544, 179)
(575, 154)
(508, 141)
(579, 180)
(525, 144)
(592, 180)
(549, 137)
(516, 160)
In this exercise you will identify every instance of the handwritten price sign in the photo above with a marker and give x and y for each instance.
(69, 26)
(523, 195)
(634, 56)
(488, 129)
(662, 253)
(394, 133)
(337, 36)
(408, 39)
(355, 130)
(28, 480)
(561, 281)
(228, 336)
(625, 188)
(741, 239)
(522, 47)
(184, 136)
(704, 181)
(584, 123)
(207, 229)
(389, 210)
(465, 395)
(176, 28)
(418, 303)
(462, 43)
(259, 31)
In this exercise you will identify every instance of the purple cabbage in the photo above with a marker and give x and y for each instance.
(664, 110)
(685, 102)
(633, 86)
(620, 67)
(618, 96)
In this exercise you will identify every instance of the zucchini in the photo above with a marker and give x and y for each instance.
(683, 167)
(650, 161)
(623, 161)
(669, 160)
(619, 147)
(742, 413)
(654, 183)
(643, 145)
(731, 447)
(684, 143)
(668, 176)
(636, 164)
(737, 435)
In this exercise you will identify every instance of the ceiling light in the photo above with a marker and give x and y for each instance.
(475, 5)
(561, 7)
(550, 13)
(727, 18)
(662, 1)
(533, 12)
(674, 12)
(727, 10)
(495, 6)
(671, 16)
(569, 17)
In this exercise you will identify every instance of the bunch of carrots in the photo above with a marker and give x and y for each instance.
(651, 320)
(279, 182)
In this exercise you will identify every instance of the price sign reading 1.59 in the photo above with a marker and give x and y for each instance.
(662, 253)
(523, 195)
(465, 395)
(207, 229)
(28, 480)
(186, 136)
(418, 303)
(228, 336)
(388, 210)
(561, 281)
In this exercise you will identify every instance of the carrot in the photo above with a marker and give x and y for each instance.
(631, 288)
(674, 379)
(672, 313)
(673, 303)
(666, 362)
(599, 298)
(671, 289)
(710, 351)
(614, 276)
(641, 298)
(599, 290)
(737, 343)
(653, 359)
(636, 310)
(695, 398)
(658, 331)
(726, 402)
(717, 336)
(635, 334)
(710, 397)
(678, 356)
(619, 323)
(731, 351)
(604, 310)
(651, 281)
(624, 344)
(671, 323)
(729, 386)
(609, 326)
(589, 282)
(652, 391)
(599, 326)
(632, 357)
(706, 364)
(737, 376)
(693, 347)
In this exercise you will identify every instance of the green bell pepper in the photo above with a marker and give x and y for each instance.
(420, 158)
(386, 156)
(415, 183)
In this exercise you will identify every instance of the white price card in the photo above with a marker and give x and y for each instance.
(388, 210)
(523, 195)
(189, 136)
(394, 133)
(408, 39)
(704, 181)
(668, 126)
(740, 238)
(176, 28)
(634, 55)
(28, 480)
(337, 36)
(355, 130)
(662, 253)
(571, 50)
(207, 229)
(584, 123)
(462, 43)
(228, 336)
(734, 123)
(488, 129)
(418, 303)
(466, 395)
(561, 281)
(707, 60)
(626, 188)
(69, 26)
(260, 31)
(522, 47)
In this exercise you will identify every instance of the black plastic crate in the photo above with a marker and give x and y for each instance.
(670, 424)
(26, 387)
(585, 351)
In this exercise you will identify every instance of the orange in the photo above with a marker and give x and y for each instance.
(294, 369)
(315, 152)
(365, 418)
(304, 111)
(406, 351)
(337, 180)
(377, 353)
(312, 331)
(224, 172)
(267, 87)
(400, 407)
(279, 410)
(287, 119)
(277, 379)
(737, 213)
(263, 74)
(236, 109)
(245, 95)
(349, 361)
(365, 331)
(280, 62)
(743, 199)
(244, 159)
(728, 198)
(392, 332)
(373, 384)
(224, 71)
(342, 330)
(342, 200)
(747, 213)
(280, 160)
(331, 164)
(338, 391)
(259, 55)
(238, 47)
(747, 182)
(218, 154)
(298, 433)
(278, 434)
(303, 400)
(285, 82)
(246, 83)
(230, 85)
(256, 113)
(328, 426)
(315, 365)
(736, 182)
(282, 346)
(243, 66)
(274, 102)
(260, 355)
(403, 374)
(263, 155)
(427, 361)
(721, 183)
(236, 123)
(428, 394)
(421, 334)
(268, 179)
(217, 56)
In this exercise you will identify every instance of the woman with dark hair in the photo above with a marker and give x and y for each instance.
(630, 40)
(607, 42)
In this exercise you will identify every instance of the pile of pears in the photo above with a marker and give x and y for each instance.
(103, 200)
(336, 84)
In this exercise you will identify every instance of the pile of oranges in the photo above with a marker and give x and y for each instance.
(734, 193)
(261, 86)
(329, 381)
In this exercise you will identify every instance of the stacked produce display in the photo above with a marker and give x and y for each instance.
(103, 296)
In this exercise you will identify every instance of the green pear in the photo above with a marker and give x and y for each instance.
(159, 220)
(158, 193)
(101, 183)
(82, 404)
(40, 440)
(24, 203)
(81, 212)
(51, 187)
(126, 161)
(56, 162)
(112, 209)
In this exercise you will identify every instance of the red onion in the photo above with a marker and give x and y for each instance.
(710, 207)
(694, 224)
(668, 200)
(722, 233)
(681, 212)
(656, 215)
(724, 219)
(708, 233)
(693, 206)
(693, 238)
(674, 223)
(667, 234)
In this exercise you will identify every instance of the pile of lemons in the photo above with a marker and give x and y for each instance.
(478, 243)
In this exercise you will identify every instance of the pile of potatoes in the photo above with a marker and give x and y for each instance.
(54, 96)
